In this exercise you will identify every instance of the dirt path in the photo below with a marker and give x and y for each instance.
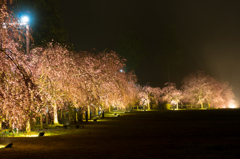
(154, 134)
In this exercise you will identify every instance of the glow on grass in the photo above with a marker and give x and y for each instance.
(54, 132)
(2, 146)
(35, 135)
(31, 135)
(232, 104)
(26, 135)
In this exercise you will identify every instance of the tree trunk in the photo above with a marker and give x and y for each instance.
(80, 117)
(69, 116)
(149, 106)
(86, 116)
(41, 121)
(177, 105)
(64, 114)
(32, 124)
(89, 111)
(109, 109)
(75, 115)
(55, 115)
(28, 126)
(102, 114)
(10, 124)
(46, 120)
(201, 105)
(97, 110)
(0, 123)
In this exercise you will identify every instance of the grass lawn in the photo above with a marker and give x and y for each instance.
(151, 134)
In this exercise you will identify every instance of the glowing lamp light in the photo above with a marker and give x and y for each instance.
(121, 70)
(25, 19)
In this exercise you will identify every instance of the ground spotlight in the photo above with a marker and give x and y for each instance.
(41, 134)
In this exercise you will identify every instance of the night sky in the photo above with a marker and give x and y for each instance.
(208, 31)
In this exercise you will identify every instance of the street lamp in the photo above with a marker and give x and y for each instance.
(24, 21)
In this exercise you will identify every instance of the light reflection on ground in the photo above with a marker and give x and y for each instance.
(2, 146)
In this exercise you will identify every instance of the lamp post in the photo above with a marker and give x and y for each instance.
(24, 21)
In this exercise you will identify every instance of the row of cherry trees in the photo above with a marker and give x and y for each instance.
(52, 78)
(198, 89)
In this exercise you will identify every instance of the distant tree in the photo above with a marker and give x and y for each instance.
(197, 88)
(200, 88)
(171, 94)
(143, 98)
(220, 95)
(148, 95)
(156, 95)
(130, 45)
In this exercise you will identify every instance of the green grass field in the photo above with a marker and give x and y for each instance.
(151, 134)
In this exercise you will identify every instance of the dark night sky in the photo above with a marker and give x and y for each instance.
(208, 32)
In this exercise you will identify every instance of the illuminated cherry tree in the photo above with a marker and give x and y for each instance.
(19, 97)
(148, 94)
(52, 67)
(155, 94)
(221, 95)
(98, 77)
(196, 88)
(171, 94)
(200, 88)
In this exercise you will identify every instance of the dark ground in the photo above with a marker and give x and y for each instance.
(153, 134)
